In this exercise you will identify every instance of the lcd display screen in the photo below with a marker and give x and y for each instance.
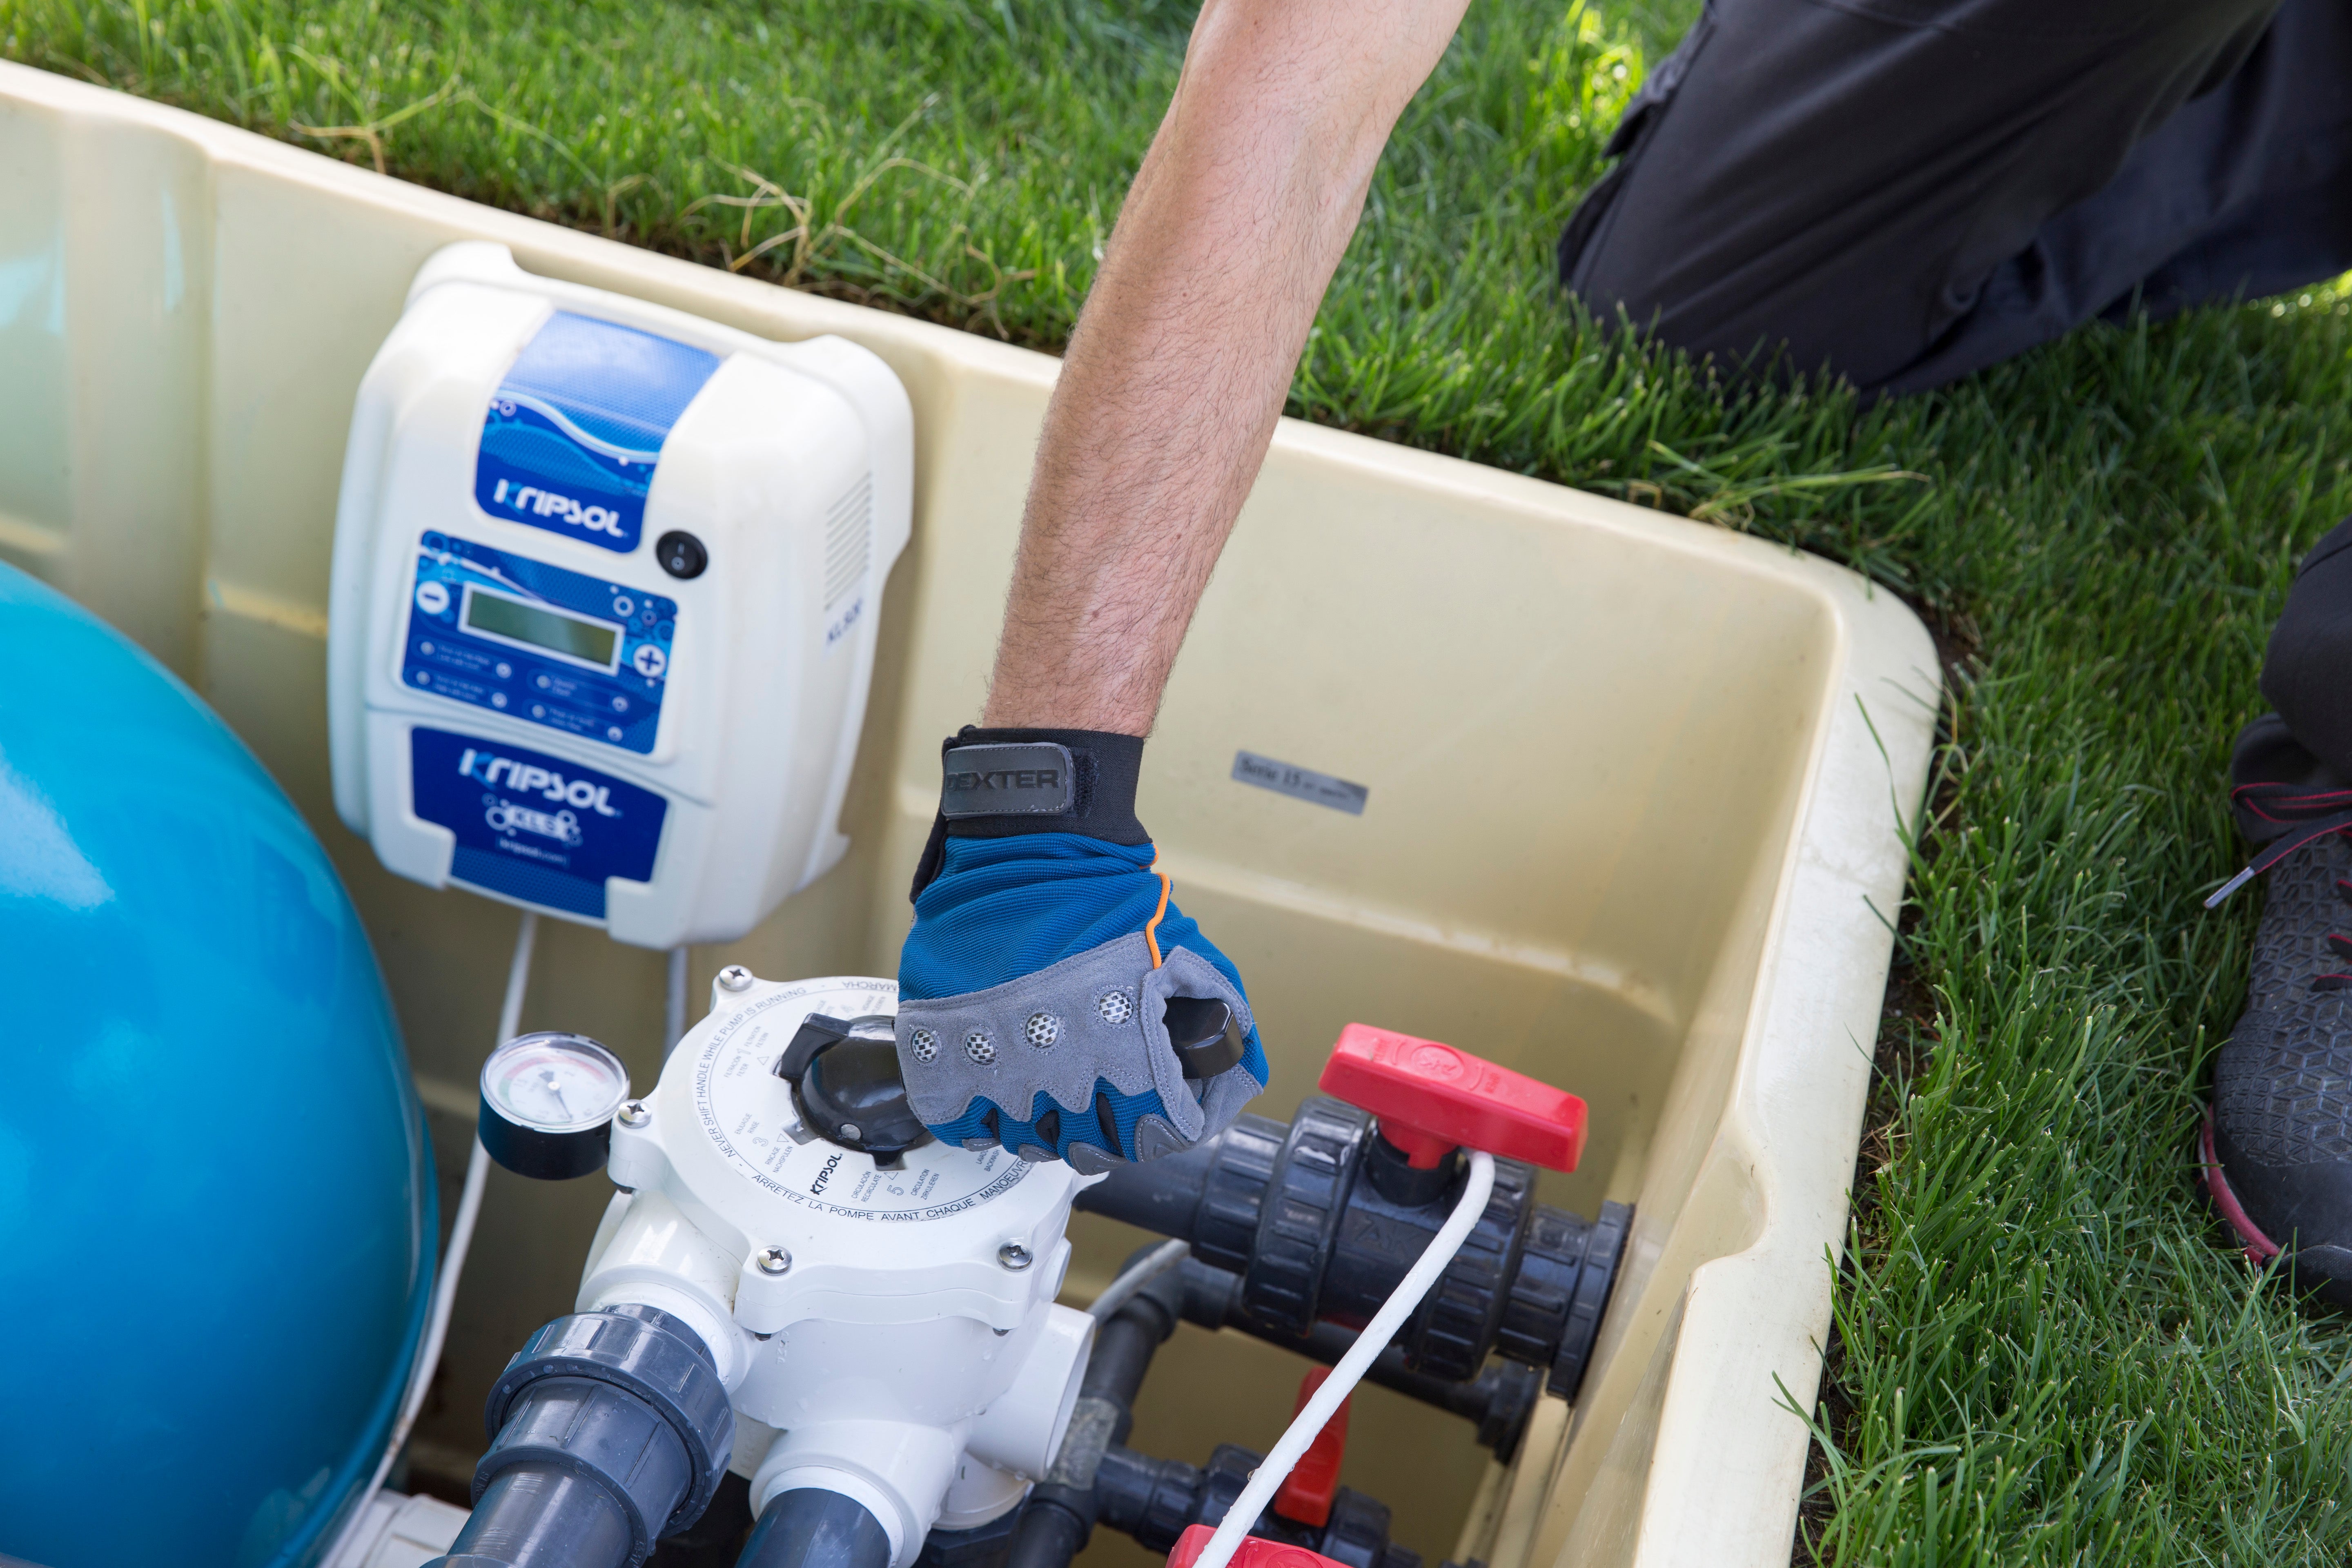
(589, 641)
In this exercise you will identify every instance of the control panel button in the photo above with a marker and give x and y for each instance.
(681, 555)
(511, 664)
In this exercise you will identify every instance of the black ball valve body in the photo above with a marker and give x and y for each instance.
(1322, 1217)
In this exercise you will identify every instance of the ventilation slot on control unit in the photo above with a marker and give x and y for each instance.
(849, 535)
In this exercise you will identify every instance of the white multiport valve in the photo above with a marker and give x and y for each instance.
(798, 1282)
(883, 1316)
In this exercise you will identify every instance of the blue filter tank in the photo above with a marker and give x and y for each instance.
(215, 1189)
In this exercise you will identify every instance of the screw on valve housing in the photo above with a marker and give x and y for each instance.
(845, 1073)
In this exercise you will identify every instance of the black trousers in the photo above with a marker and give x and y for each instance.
(2307, 744)
(1907, 190)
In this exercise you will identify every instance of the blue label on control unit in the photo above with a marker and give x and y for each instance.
(535, 642)
(577, 428)
(534, 827)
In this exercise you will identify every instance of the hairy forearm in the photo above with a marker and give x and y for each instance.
(1177, 368)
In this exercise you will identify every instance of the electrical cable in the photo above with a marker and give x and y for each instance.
(517, 979)
(673, 1003)
(1147, 1268)
(1267, 1478)
(453, 1256)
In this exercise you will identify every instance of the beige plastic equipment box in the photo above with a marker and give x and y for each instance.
(1635, 822)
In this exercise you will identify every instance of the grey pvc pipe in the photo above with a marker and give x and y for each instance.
(810, 1527)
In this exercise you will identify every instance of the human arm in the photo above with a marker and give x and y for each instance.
(1180, 361)
(1038, 987)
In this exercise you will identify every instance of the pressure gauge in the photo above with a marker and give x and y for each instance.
(548, 1101)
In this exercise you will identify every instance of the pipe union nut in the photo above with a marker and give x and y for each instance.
(645, 1352)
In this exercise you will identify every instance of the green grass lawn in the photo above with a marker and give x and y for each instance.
(2047, 1354)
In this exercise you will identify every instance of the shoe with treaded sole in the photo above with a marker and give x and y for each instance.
(2276, 1147)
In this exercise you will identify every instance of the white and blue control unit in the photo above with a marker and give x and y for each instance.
(603, 604)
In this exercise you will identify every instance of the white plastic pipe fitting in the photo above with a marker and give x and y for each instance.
(892, 1318)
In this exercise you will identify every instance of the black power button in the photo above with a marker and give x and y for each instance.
(680, 554)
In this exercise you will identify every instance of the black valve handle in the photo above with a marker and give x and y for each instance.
(1206, 1035)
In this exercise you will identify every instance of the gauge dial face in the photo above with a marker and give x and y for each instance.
(555, 1083)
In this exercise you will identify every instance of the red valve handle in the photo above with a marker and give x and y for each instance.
(1307, 1491)
(1254, 1551)
(1432, 1098)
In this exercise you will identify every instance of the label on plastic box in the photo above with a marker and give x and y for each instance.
(577, 428)
(541, 829)
(1300, 784)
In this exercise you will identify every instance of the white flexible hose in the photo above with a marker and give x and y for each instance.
(673, 1003)
(1267, 1478)
(1150, 1267)
(517, 979)
(453, 1257)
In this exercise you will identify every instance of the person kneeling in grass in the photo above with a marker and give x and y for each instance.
(1900, 191)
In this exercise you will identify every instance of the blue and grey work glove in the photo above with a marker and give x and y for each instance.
(1051, 998)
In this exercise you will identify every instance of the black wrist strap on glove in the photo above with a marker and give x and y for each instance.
(998, 784)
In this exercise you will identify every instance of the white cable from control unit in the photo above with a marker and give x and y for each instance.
(673, 1003)
(453, 1256)
(1147, 1268)
(1267, 1478)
